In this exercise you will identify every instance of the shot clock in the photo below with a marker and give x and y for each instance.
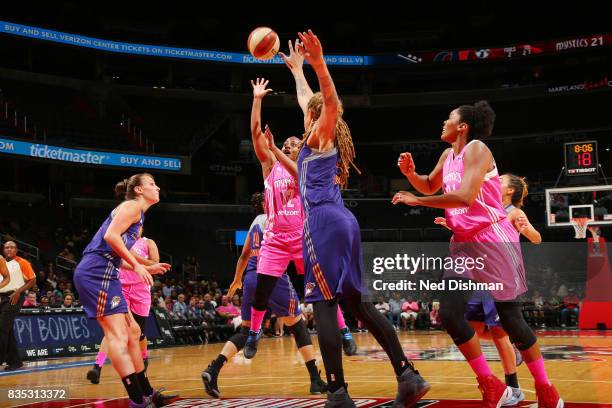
(581, 158)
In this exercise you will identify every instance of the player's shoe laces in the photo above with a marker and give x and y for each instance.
(250, 347)
(411, 387)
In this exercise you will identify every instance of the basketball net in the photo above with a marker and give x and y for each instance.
(580, 227)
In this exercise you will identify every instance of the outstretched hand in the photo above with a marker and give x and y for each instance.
(295, 60)
(259, 88)
(405, 197)
(310, 48)
(269, 137)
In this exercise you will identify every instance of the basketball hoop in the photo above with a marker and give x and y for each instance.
(580, 226)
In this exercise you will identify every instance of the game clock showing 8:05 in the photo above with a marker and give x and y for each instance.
(581, 158)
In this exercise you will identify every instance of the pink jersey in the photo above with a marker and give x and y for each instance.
(283, 205)
(128, 276)
(487, 209)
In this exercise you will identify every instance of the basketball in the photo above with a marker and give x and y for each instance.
(263, 43)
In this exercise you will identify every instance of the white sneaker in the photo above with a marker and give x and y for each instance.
(516, 397)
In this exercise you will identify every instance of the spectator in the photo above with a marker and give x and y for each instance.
(209, 305)
(308, 313)
(67, 303)
(44, 302)
(22, 278)
(383, 307)
(66, 253)
(434, 316)
(53, 302)
(180, 308)
(166, 290)
(236, 301)
(571, 309)
(410, 312)
(229, 312)
(395, 309)
(30, 301)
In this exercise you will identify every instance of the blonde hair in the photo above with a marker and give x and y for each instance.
(344, 140)
(520, 189)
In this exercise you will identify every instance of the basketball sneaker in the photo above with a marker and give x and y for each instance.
(516, 397)
(209, 377)
(339, 399)
(250, 347)
(317, 385)
(494, 392)
(161, 400)
(348, 343)
(548, 397)
(93, 375)
(411, 387)
(146, 403)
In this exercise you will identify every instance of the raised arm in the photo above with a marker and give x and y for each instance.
(312, 51)
(295, 63)
(477, 160)
(424, 184)
(259, 142)
(287, 163)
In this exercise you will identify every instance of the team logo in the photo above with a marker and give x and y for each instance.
(115, 302)
(309, 288)
(483, 53)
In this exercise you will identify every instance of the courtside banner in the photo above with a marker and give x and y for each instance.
(155, 50)
(180, 164)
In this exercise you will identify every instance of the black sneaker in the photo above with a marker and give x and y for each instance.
(411, 387)
(250, 347)
(348, 343)
(146, 403)
(339, 399)
(318, 386)
(93, 375)
(161, 400)
(209, 377)
(13, 367)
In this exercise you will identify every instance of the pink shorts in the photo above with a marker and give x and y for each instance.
(138, 298)
(277, 250)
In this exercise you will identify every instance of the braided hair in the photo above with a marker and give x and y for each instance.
(344, 140)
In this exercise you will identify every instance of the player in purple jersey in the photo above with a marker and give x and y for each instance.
(472, 200)
(332, 243)
(283, 302)
(96, 278)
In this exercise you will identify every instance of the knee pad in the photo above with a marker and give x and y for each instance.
(265, 286)
(300, 333)
(454, 321)
(239, 339)
(514, 324)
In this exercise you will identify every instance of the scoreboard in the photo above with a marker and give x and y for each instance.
(581, 158)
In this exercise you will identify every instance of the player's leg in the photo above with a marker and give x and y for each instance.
(93, 375)
(523, 337)
(348, 343)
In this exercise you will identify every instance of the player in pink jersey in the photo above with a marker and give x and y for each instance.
(282, 235)
(472, 200)
(138, 298)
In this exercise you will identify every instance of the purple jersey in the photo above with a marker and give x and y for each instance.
(255, 238)
(99, 246)
(332, 241)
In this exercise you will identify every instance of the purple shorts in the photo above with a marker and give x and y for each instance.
(97, 281)
(333, 261)
(481, 308)
(283, 301)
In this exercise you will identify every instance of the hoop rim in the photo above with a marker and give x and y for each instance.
(580, 221)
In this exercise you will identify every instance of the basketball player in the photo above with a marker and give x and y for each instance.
(332, 242)
(96, 280)
(474, 212)
(283, 302)
(481, 312)
(137, 294)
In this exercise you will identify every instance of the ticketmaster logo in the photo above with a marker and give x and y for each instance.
(57, 153)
